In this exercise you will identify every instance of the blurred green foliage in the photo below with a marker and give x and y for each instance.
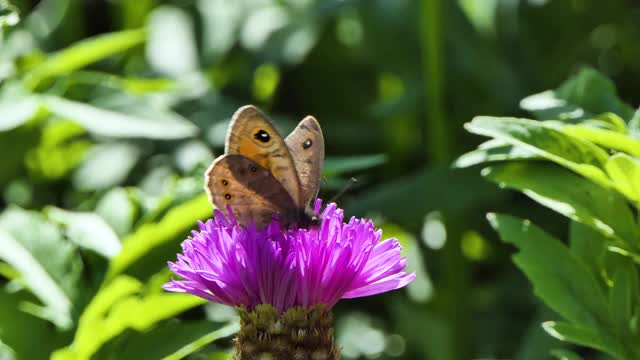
(111, 110)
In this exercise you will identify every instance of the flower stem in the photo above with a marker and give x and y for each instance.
(298, 333)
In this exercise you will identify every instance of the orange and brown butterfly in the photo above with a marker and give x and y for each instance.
(262, 174)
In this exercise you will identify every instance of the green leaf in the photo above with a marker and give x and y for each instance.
(334, 166)
(589, 246)
(571, 152)
(586, 337)
(171, 46)
(491, 151)
(623, 295)
(586, 94)
(559, 278)
(17, 111)
(605, 138)
(87, 230)
(625, 173)
(104, 166)
(120, 306)
(82, 54)
(177, 221)
(47, 263)
(204, 340)
(115, 124)
(119, 210)
(570, 195)
(564, 354)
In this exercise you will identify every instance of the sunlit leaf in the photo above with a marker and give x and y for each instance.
(87, 230)
(171, 47)
(571, 152)
(177, 221)
(105, 166)
(35, 274)
(625, 173)
(120, 306)
(118, 209)
(82, 54)
(114, 124)
(605, 138)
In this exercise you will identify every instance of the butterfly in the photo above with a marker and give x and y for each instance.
(262, 174)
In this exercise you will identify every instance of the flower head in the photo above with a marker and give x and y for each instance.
(232, 265)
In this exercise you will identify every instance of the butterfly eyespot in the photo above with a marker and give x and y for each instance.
(225, 182)
(262, 136)
(227, 196)
(307, 144)
(253, 168)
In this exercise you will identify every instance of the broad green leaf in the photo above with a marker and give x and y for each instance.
(120, 306)
(177, 221)
(105, 166)
(563, 281)
(17, 111)
(118, 208)
(37, 279)
(625, 173)
(605, 138)
(337, 165)
(20, 330)
(115, 124)
(564, 354)
(82, 54)
(586, 337)
(491, 151)
(571, 152)
(623, 295)
(570, 195)
(589, 246)
(47, 263)
(171, 46)
(594, 93)
(87, 230)
(584, 95)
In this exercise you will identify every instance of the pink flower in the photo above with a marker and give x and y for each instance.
(232, 265)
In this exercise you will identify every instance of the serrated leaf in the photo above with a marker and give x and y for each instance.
(572, 196)
(177, 221)
(559, 278)
(87, 230)
(571, 152)
(121, 125)
(589, 246)
(584, 336)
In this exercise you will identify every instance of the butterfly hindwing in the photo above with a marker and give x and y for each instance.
(248, 189)
(306, 145)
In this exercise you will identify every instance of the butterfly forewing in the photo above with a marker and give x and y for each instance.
(248, 189)
(253, 136)
(306, 146)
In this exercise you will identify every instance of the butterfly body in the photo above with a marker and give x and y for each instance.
(261, 174)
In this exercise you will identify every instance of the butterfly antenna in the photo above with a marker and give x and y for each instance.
(344, 189)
